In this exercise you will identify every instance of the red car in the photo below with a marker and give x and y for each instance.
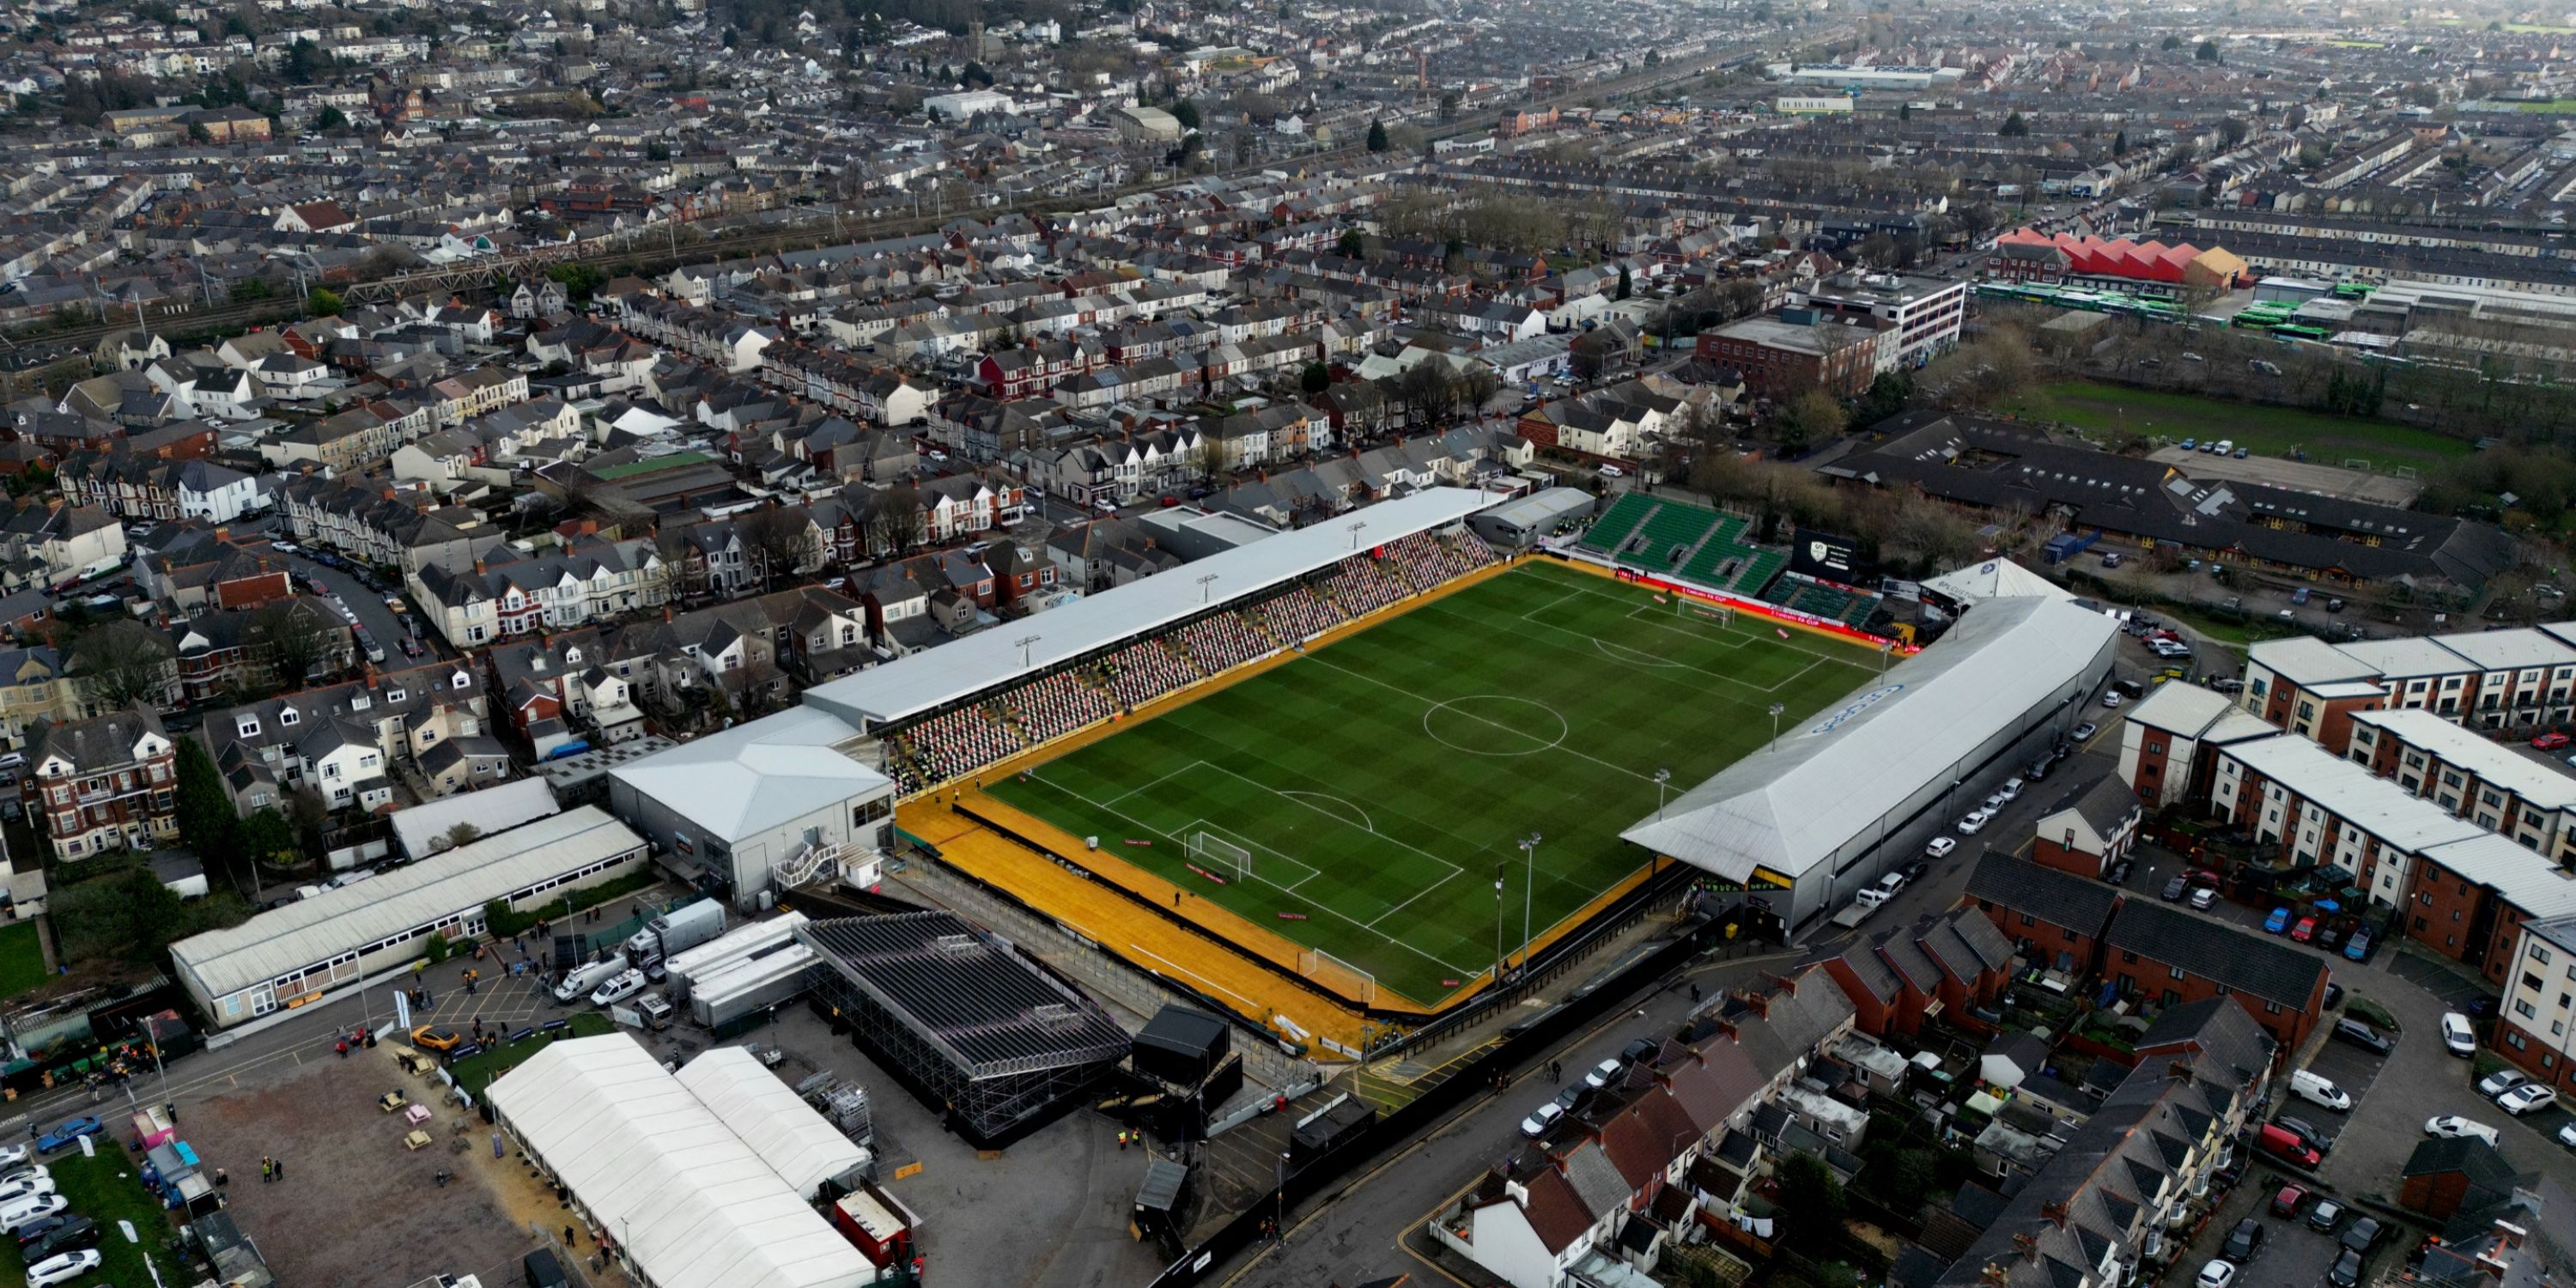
(2286, 1203)
(2305, 930)
(2551, 741)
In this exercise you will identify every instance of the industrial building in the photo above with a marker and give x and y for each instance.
(1831, 806)
(744, 803)
(991, 1039)
(699, 1180)
(292, 956)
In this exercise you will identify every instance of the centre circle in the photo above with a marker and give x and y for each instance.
(1494, 724)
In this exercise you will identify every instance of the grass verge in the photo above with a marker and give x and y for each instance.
(22, 958)
(478, 1071)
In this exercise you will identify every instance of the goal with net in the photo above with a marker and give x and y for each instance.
(1717, 613)
(1337, 976)
(1224, 856)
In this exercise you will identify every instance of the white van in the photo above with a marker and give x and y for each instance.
(582, 979)
(2316, 1088)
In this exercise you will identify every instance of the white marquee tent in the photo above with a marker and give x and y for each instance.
(693, 1202)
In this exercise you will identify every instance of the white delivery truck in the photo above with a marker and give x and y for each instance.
(677, 931)
(579, 982)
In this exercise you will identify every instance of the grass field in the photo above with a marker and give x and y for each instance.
(22, 958)
(1379, 783)
(2268, 431)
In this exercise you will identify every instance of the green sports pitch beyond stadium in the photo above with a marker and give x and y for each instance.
(1362, 800)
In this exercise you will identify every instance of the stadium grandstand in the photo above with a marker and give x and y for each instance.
(1817, 599)
(942, 714)
(1832, 805)
(1683, 542)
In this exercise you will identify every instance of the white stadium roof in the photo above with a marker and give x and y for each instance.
(798, 1144)
(696, 1204)
(311, 930)
(1993, 579)
(1794, 804)
(938, 676)
(745, 780)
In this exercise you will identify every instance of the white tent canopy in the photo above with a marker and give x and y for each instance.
(693, 1203)
(1993, 579)
(768, 1114)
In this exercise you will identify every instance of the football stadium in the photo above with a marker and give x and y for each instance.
(1355, 773)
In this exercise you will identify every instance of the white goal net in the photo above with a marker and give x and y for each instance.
(1716, 613)
(1224, 856)
(1338, 976)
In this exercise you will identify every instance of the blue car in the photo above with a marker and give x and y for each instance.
(64, 1135)
(2357, 947)
(2190, 444)
(2272, 924)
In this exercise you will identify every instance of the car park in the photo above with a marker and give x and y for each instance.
(2454, 1127)
(1939, 847)
(2530, 1097)
(2324, 1215)
(2457, 1037)
(62, 1268)
(2362, 1035)
(1974, 823)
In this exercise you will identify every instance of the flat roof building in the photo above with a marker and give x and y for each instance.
(293, 955)
(744, 802)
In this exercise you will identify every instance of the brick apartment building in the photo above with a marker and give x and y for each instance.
(1787, 353)
(106, 783)
(2536, 1019)
(2164, 957)
(2089, 827)
(1944, 966)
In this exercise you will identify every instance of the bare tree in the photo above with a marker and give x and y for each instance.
(780, 541)
(124, 664)
(896, 522)
(462, 834)
(289, 641)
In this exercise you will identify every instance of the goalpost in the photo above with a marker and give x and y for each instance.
(1720, 614)
(1337, 975)
(1221, 855)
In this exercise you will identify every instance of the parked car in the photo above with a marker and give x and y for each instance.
(2243, 1241)
(431, 1037)
(2362, 1234)
(2307, 1132)
(2279, 920)
(2205, 898)
(2304, 931)
(2454, 1127)
(620, 986)
(2551, 741)
(2457, 1037)
(62, 1268)
(1974, 823)
(2287, 1147)
(2358, 947)
(2527, 1098)
(85, 1125)
(2318, 1089)
(2085, 730)
(65, 1234)
(2362, 1035)
(1541, 1119)
(2176, 888)
(2120, 872)
(27, 1184)
(2501, 1081)
(2346, 1270)
(2286, 1203)
(1939, 847)
(2323, 1216)
(2217, 1274)
(25, 1212)
(2113, 559)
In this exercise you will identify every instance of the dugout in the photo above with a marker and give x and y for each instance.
(1180, 1046)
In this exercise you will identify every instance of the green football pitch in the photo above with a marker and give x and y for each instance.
(1376, 788)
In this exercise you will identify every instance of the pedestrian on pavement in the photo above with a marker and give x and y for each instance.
(267, 1169)
(1694, 992)
(281, 1169)
(221, 1180)
(567, 1238)
(1556, 1071)
(341, 1046)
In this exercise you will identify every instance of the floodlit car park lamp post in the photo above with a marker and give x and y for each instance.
(1498, 925)
(1529, 883)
